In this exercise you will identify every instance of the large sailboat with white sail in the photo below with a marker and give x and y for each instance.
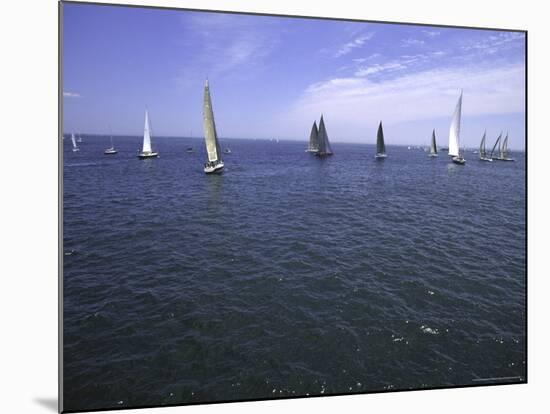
(380, 145)
(215, 163)
(146, 151)
(324, 148)
(313, 145)
(482, 150)
(433, 147)
(454, 134)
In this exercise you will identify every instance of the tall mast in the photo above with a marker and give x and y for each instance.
(210, 134)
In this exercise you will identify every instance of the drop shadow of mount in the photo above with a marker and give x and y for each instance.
(49, 403)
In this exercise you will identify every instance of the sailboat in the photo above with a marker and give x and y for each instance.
(482, 151)
(79, 138)
(313, 139)
(215, 163)
(111, 150)
(324, 148)
(380, 146)
(454, 134)
(75, 148)
(503, 156)
(146, 151)
(497, 142)
(433, 147)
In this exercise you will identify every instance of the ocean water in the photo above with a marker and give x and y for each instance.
(288, 275)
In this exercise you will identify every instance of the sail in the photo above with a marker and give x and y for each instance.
(495, 146)
(210, 135)
(324, 144)
(454, 131)
(73, 140)
(504, 149)
(380, 146)
(146, 135)
(313, 138)
(482, 152)
(433, 147)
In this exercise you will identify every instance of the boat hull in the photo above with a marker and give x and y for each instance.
(214, 169)
(380, 156)
(459, 160)
(486, 159)
(504, 159)
(323, 154)
(110, 152)
(432, 155)
(143, 155)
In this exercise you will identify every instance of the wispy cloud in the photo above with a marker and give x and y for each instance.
(378, 68)
(71, 94)
(412, 42)
(354, 44)
(495, 43)
(227, 43)
(353, 103)
(431, 33)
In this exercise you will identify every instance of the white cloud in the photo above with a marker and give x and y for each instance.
(431, 33)
(71, 94)
(412, 42)
(226, 43)
(354, 103)
(376, 68)
(355, 43)
(495, 43)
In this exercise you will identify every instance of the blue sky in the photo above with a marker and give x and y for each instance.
(272, 76)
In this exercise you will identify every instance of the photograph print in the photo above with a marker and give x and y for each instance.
(262, 207)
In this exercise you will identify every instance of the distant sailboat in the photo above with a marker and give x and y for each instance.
(380, 146)
(503, 156)
(227, 150)
(454, 134)
(433, 147)
(497, 142)
(79, 138)
(75, 148)
(215, 163)
(482, 151)
(146, 151)
(190, 149)
(313, 139)
(111, 150)
(324, 144)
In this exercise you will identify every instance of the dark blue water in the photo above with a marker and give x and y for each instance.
(287, 275)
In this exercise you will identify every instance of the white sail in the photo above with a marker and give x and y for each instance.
(210, 134)
(73, 140)
(146, 135)
(504, 148)
(454, 131)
